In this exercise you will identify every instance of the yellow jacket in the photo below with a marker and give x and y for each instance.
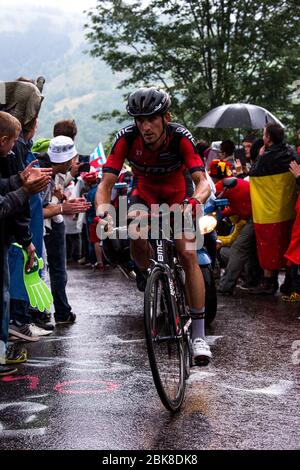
(227, 240)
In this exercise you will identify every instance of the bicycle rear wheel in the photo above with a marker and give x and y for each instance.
(164, 342)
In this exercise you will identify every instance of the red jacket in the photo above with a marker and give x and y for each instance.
(239, 199)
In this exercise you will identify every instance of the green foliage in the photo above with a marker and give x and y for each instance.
(204, 52)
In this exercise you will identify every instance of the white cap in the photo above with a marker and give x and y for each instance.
(61, 149)
(216, 145)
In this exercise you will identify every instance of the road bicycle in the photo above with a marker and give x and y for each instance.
(167, 322)
(166, 314)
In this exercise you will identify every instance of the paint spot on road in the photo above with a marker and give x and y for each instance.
(96, 387)
(32, 380)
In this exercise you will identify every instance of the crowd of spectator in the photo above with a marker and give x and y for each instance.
(47, 209)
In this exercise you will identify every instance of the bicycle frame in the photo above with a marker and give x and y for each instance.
(162, 247)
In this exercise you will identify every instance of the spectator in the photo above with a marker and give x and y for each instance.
(243, 249)
(243, 162)
(211, 153)
(255, 149)
(73, 230)
(202, 147)
(226, 152)
(247, 145)
(67, 128)
(60, 156)
(25, 322)
(298, 136)
(293, 252)
(15, 190)
(92, 181)
(273, 195)
(219, 169)
(23, 100)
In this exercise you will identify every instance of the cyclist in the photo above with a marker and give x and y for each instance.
(164, 161)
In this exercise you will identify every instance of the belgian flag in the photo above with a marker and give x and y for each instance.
(273, 197)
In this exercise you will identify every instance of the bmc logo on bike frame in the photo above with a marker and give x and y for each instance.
(160, 250)
(172, 290)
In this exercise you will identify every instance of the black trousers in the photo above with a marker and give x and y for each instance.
(55, 242)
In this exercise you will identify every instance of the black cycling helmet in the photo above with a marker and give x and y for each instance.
(148, 101)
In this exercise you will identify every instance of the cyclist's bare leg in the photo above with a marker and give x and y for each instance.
(195, 288)
(141, 250)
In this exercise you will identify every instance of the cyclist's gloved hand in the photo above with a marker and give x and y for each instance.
(105, 225)
(190, 205)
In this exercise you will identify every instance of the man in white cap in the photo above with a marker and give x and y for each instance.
(61, 153)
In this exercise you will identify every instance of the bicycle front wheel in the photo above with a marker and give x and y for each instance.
(164, 342)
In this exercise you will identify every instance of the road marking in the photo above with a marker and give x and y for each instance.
(112, 368)
(11, 433)
(39, 396)
(198, 376)
(117, 340)
(24, 406)
(19, 410)
(30, 419)
(93, 365)
(272, 390)
(64, 338)
(211, 340)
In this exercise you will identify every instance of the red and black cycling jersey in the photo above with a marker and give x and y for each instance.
(178, 152)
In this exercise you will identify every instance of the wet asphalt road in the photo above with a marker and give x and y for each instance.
(89, 385)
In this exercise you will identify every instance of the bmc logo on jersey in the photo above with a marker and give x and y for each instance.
(186, 133)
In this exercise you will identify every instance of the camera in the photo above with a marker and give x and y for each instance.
(85, 159)
(240, 154)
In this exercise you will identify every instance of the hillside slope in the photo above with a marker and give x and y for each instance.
(42, 41)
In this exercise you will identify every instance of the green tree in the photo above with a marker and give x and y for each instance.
(204, 52)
